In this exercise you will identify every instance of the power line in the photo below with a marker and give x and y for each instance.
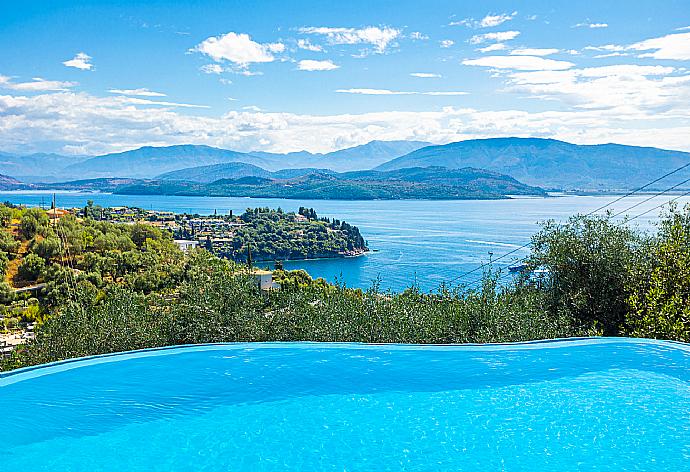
(624, 222)
(528, 244)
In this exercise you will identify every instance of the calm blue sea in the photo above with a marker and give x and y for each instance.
(413, 241)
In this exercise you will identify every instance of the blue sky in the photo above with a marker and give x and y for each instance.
(85, 77)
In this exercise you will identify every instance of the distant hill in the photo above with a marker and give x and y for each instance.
(368, 156)
(10, 183)
(149, 161)
(550, 163)
(36, 167)
(233, 170)
(417, 183)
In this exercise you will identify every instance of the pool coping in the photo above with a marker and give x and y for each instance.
(40, 370)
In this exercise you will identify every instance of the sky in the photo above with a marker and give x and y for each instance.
(92, 77)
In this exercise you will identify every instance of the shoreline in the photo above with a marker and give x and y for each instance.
(339, 256)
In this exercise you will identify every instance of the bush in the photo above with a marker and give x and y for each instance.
(49, 248)
(589, 260)
(32, 267)
(8, 244)
(34, 221)
(660, 292)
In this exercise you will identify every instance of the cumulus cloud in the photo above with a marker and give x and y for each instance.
(239, 49)
(311, 65)
(37, 84)
(80, 61)
(629, 90)
(488, 21)
(672, 46)
(308, 46)
(446, 43)
(499, 36)
(139, 92)
(425, 75)
(534, 52)
(368, 91)
(519, 63)
(98, 125)
(378, 37)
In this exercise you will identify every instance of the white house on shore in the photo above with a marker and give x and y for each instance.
(264, 278)
(186, 244)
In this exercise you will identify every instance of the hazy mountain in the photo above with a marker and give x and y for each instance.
(233, 170)
(9, 183)
(551, 163)
(148, 161)
(368, 156)
(35, 167)
(422, 183)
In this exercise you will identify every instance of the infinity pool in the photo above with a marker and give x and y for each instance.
(585, 404)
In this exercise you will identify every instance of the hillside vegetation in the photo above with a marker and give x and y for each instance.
(428, 183)
(115, 287)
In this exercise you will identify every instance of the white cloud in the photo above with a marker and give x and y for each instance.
(378, 37)
(311, 65)
(98, 125)
(309, 46)
(367, 91)
(610, 54)
(672, 46)
(628, 90)
(519, 63)
(534, 52)
(605, 47)
(80, 61)
(489, 21)
(36, 85)
(493, 47)
(417, 36)
(589, 24)
(144, 101)
(239, 49)
(252, 108)
(499, 36)
(446, 43)
(494, 20)
(140, 92)
(425, 75)
(212, 69)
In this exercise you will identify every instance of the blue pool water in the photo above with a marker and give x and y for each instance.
(588, 404)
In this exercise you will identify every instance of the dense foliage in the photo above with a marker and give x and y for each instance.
(274, 235)
(112, 287)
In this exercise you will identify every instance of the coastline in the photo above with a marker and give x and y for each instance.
(323, 258)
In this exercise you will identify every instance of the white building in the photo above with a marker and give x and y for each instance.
(264, 278)
(185, 244)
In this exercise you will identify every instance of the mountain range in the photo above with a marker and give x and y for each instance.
(550, 163)
(546, 163)
(411, 183)
(148, 161)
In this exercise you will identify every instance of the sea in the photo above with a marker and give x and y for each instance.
(414, 243)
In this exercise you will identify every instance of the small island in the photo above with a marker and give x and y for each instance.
(264, 234)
